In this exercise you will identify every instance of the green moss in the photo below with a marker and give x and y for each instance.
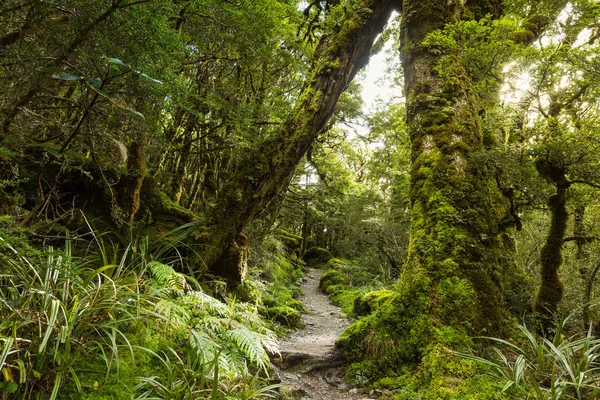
(330, 278)
(284, 315)
(362, 372)
(248, 291)
(344, 298)
(316, 256)
(336, 263)
(551, 288)
(367, 303)
(282, 298)
(291, 242)
(397, 333)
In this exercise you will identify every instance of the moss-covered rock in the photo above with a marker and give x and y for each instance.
(336, 263)
(292, 243)
(367, 303)
(283, 298)
(331, 278)
(284, 315)
(316, 256)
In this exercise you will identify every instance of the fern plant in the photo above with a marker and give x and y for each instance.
(72, 325)
(234, 331)
(221, 341)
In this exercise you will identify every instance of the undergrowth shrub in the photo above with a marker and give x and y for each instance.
(350, 287)
(279, 275)
(540, 368)
(316, 256)
(58, 311)
(119, 324)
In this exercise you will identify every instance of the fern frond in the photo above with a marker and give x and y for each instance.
(205, 348)
(160, 271)
(166, 274)
(173, 312)
(210, 304)
(212, 325)
(250, 344)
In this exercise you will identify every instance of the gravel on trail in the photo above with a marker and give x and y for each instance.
(310, 367)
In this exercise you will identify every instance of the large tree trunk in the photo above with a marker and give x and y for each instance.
(450, 288)
(263, 175)
(453, 255)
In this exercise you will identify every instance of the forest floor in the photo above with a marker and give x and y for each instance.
(310, 367)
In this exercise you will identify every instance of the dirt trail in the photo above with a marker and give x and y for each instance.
(310, 367)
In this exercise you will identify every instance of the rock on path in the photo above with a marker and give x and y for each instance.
(311, 367)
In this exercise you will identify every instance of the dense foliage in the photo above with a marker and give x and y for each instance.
(168, 169)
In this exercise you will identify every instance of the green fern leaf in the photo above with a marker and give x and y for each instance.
(250, 344)
(166, 274)
(174, 313)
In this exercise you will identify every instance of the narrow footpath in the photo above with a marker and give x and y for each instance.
(310, 367)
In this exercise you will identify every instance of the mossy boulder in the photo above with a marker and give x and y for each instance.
(284, 315)
(336, 263)
(284, 299)
(367, 303)
(396, 334)
(331, 278)
(316, 256)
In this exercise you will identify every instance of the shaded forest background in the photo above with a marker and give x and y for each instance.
(168, 169)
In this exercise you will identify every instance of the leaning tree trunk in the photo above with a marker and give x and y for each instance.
(262, 176)
(453, 274)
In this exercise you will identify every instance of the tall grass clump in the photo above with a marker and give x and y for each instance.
(55, 313)
(543, 369)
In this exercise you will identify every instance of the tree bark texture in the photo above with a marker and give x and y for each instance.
(336, 60)
(551, 289)
(454, 245)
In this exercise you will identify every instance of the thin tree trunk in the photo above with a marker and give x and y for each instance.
(551, 289)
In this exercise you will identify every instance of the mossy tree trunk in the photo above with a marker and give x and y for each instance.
(580, 239)
(337, 58)
(454, 245)
(553, 167)
(551, 289)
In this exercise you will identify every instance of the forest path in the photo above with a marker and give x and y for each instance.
(311, 368)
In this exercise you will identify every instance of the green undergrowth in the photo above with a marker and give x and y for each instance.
(356, 291)
(317, 257)
(121, 323)
(276, 269)
(395, 346)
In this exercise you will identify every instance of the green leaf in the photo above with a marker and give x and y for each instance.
(117, 61)
(131, 110)
(150, 78)
(66, 76)
(11, 387)
(98, 90)
(94, 81)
